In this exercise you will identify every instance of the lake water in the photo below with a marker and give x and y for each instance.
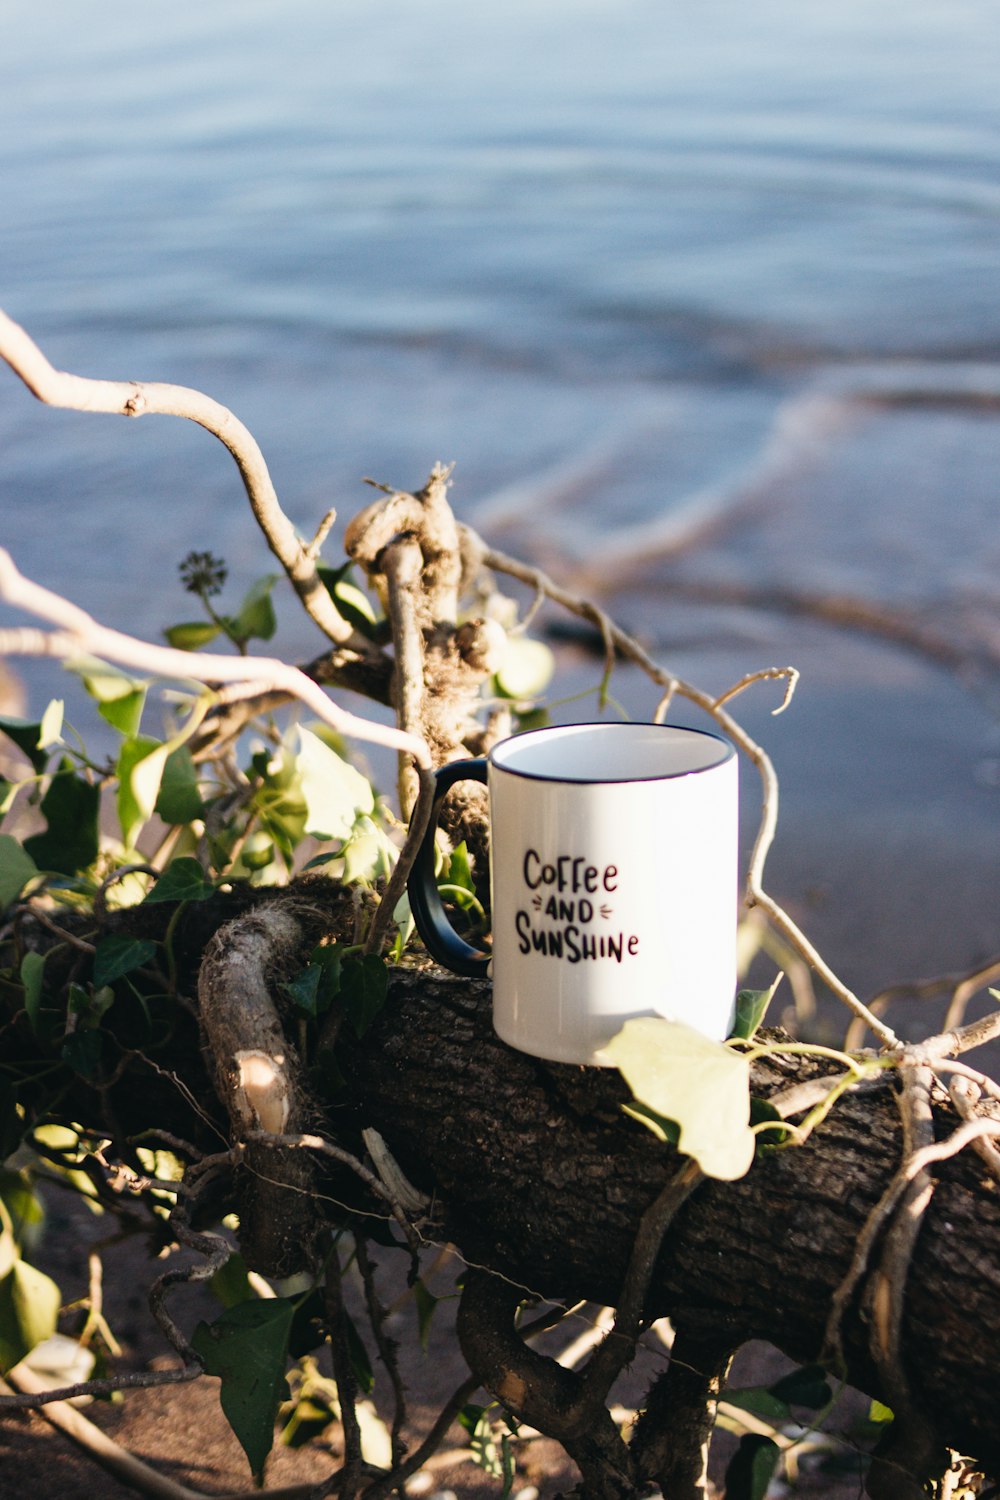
(701, 297)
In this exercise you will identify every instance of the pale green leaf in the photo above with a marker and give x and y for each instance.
(29, 1306)
(140, 770)
(702, 1085)
(50, 729)
(16, 869)
(32, 970)
(526, 669)
(191, 634)
(334, 792)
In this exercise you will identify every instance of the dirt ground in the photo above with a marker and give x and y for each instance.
(180, 1432)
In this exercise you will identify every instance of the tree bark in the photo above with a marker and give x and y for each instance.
(540, 1176)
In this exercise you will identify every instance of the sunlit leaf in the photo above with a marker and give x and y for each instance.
(192, 634)
(751, 1007)
(50, 729)
(140, 769)
(334, 792)
(16, 869)
(526, 669)
(29, 1306)
(702, 1085)
(255, 619)
(247, 1348)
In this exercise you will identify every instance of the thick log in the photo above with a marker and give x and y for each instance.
(540, 1175)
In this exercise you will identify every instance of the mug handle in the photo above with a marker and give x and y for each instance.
(440, 938)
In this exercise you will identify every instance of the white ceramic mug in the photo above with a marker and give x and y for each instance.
(614, 878)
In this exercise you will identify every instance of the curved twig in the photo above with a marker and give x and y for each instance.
(77, 632)
(129, 398)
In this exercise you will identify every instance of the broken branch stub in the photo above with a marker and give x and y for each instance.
(258, 1078)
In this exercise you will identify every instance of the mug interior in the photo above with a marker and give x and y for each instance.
(610, 752)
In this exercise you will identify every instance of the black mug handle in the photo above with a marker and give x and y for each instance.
(440, 938)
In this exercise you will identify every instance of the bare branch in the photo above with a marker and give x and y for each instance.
(78, 633)
(128, 398)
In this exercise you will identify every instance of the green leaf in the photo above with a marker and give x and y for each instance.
(360, 1363)
(179, 800)
(192, 634)
(334, 792)
(426, 1305)
(805, 1387)
(352, 602)
(140, 768)
(16, 869)
(125, 712)
(877, 1411)
(182, 880)
(118, 955)
(70, 808)
(247, 1348)
(32, 970)
(364, 984)
(26, 735)
(759, 1399)
(256, 615)
(702, 1085)
(751, 1468)
(29, 1306)
(526, 669)
(314, 987)
(751, 1006)
(83, 1051)
(231, 1284)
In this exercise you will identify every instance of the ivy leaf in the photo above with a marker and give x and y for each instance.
(256, 615)
(352, 602)
(334, 792)
(364, 984)
(32, 970)
(314, 987)
(182, 880)
(805, 1387)
(16, 869)
(179, 800)
(191, 634)
(751, 1468)
(120, 698)
(704, 1086)
(426, 1305)
(761, 1400)
(83, 1051)
(751, 1007)
(526, 669)
(29, 1306)
(140, 768)
(70, 808)
(247, 1348)
(26, 735)
(119, 955)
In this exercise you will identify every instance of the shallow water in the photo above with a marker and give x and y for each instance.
(699, 296)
